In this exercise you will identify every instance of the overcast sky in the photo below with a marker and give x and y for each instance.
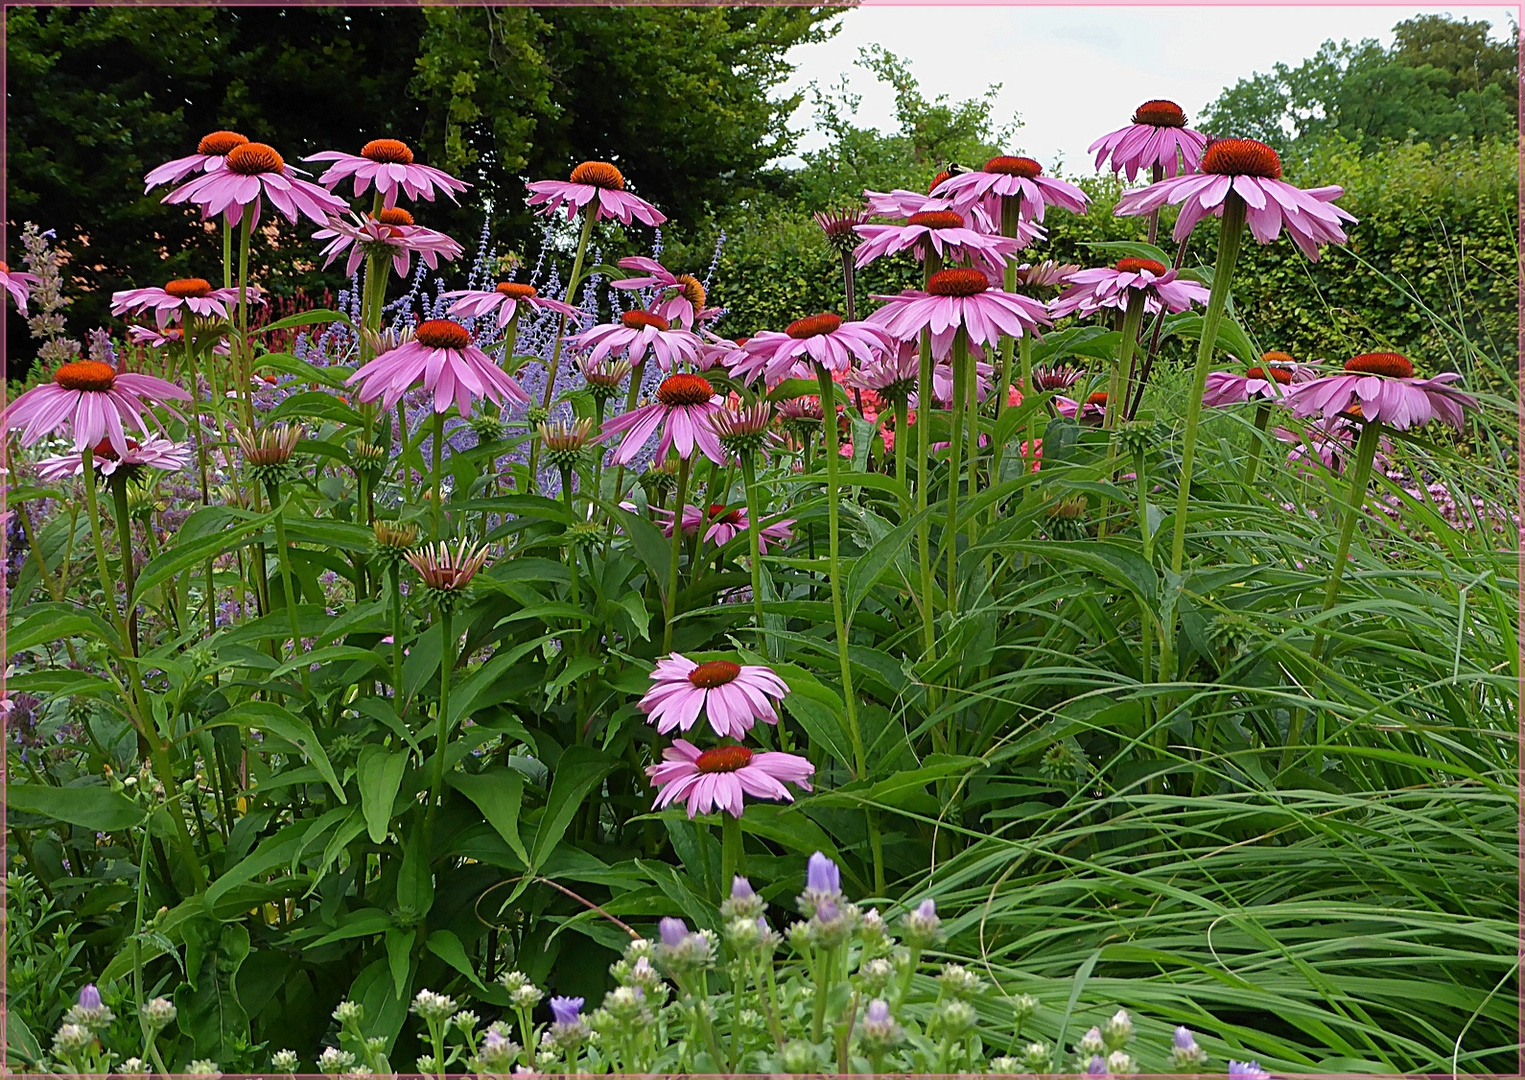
(1075, 73)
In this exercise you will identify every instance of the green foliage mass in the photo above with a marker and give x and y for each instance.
(1442, 78)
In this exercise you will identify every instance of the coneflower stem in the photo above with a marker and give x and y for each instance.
(287, 577)
(1156, 174)
(902, 447)
(402, 451)
(561, 329)
(1154, 340)
(833, 541)
(397, 694)
(670, 597)
(435, 452)
(1011, 224)
(1025, 351)
(118, 485)
(1230, 234)
(730, 849)
(442, 725)
(1366, 454)
(1262, 419)
(955, 465)
(1133, 316)
(924, 410)
(754, 540)
(850, 280)
(245, 352)
(972, 453)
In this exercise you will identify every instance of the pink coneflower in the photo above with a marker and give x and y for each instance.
(19, 284)
(727, 523)
(170, 303)
(950, 234)
(504, 300)
(252, 173)
(594, 181)
(1091, 291)
(722, 352)
(172, 336)
(720, 777)
(1061, 377)
(1269, 381)
(151, 452)
(91, 399)
(1010, 177)
(392, 235)
(1381, 388)
(901, 203)
(1253, 172)
(634, 334)
(745, 429)
(824, 339)
(211, 154)
(892, 375)
(1093, 410)
(685, 305)
(732, 696)
(1158, 136)
(1332, 446)
(960, 298)
(685, 402)
(442, 355)
(1047, 274)
(389, 164)
(942, 376)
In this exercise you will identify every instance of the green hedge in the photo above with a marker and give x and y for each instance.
(1444, 222)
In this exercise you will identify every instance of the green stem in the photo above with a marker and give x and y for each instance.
(245, 352)
(402, 452)
(397, 700)
(902, 445)
(442, 725)
(1366, 454)
(833, 524)
(670, 597)
(561, 329)
(287, 579)
(754, 537)
(435, 453)
(1230, 235)
(118, 485)
(1011, 224)
(955, 464)
(924, 409)
(1133, 316)
(1025, 352)
(731, 856)
(1262, 419)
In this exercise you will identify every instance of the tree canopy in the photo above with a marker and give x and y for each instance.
(682, 98)
(1441, 79)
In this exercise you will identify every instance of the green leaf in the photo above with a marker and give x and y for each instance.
(20, 1044)
(869, 567)
(186, 554)
(578, 770)
(498, 793)
(647, 541)
(1135, 249)
(380, 776)
(269, 717)
(317, 405)
(285, 362)
(446, 946)
(304, 318)
(415, 879)
(51, 623)
(96, 808)
(209, 1009)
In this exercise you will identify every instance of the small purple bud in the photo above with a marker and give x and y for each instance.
(1184, 1040)
(826, 911)
(89, 997)
(566, 1010)
(673, 932)
(822, 875)
(1097, 1067)
(494, 1042)
(741, 888)
(878, 1012)
(927, 909)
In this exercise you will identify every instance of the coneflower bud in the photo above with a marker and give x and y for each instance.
(1061, 377)
(1137, 438)
(267, 453)
(368, 458)
(486, 426)
(394, 539)
(448, 572)
(604, 376)
(839, 226)
(745, 431)
(660, 478)
(1066, 519)
(564, 441)
(1047, 274)
(384, 341)
(536, 415)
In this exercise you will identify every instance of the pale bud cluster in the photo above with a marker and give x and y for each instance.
(959, 982)
(921, 928)
(285, 1061)
(433, 1008)
(522, 993)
